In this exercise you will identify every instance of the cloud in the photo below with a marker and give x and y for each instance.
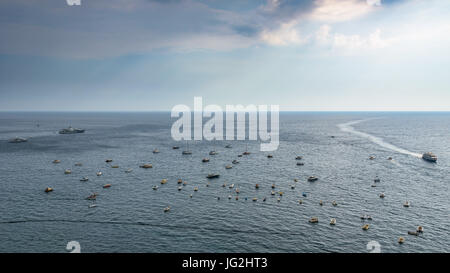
(286, 34)
(339, 10)
(356, 42)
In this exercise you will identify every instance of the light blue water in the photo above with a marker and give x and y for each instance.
(129, 216)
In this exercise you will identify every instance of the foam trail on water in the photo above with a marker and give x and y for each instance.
(347, 127)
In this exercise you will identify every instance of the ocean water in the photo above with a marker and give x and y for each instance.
(129, 216)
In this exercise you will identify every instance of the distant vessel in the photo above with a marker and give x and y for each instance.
(312, 178)
(212, 175)
(187, 151)
(18, 140)
(430, 157)
(71, 130)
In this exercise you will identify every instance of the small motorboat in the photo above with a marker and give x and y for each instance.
(280, 193)
(18, 140)
(68, 171)
(366, 227)
(92, 206)
(212, 153)
(369, 217)
(273, 186)
(195, 188)
(228, 146)
(239, 155)
(99, 173)
(333, 221)
(115, 166)
(228, 167)
(56, 161)
(128, 170)
(264, 199)
(155, 151)
(71, 130)
(155, 187)
(212, 175)
(84, 179)
(108, 160)
(298, 158)
(390, 158)
(235, 161)
(406, 204)
(382, 195)
(321, 203)
(175, 147)
(163, 181)
(185, 183)
(186, 152)
(106, 186)
(205, 160)
(257, 186)
(224, 185)
(92, 196)
(371, 157)
(269, 156)
(334, 203)
(415, 233)
(179, 181)
(48, 189)
(295, 180)
(146, 166)
(255, 199)
(304, 194)
(246, 153)
(292, 187)
(78, 164)
(401, 240)
(180, 188)
(231, 186)
(377, 179)
(166, 209)
(420, 229)
(314, 220)
(300, 201)
(373, 186)
(312, 179)
(278, 199)
(272, 193)
(237, 198)
(430, 157)
(300, 164)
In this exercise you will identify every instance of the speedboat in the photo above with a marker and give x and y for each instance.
(67, 171)
(406, 204)
(175, 147)
(257, 186)
(108, 160)
(298, 158)
(179, 181)
(71, 130)
(180, 188)
(212, 153)
(231, 186)
(84, 179)
(255, 199)
(334, 203)
(212, 175)
(314, 220)
(146, 166)
(312, 179)
(235, 161)
(228, 167)
(56, 161)
(107, 186)
(155, 151)
(333, 221)
(186, 152)
(204, 160)
(371, 157)
(18, 140)
(166, 209)
(99, 173)
(430, 157)
(155, 187)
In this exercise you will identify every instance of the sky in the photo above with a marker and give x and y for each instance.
(146, 55)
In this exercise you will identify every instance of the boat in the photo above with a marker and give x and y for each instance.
(180, 188)
(292, 187)
(224, 185)
(84, 179)
(420, 229)
(295, 180)
(239, 155)
(333, 221)
(92, 206)
(231, 186)
(56, 161)
(48, 189)
(78, 164)
(146, 166)
(272, 193)
(312, 179)
(107, 186)
(205, 160)
(179, 181)
(67, 171)
(269, 156)
(108, 160)
(115, 166)
(128, 170)
(166, 209)
(371, 157)
(280, 193)
(264, 199)
(334, 203)
(300, 163)
(212, 175)
(246, 150)
(255, 199)
(155, 151)
(401, 240)
(212, 153)
(298, 157)
(18, 140)
(163, 181)
(92, 196)
(390, 158)
(71, 130)
(321, 203)
(373, 186)
(228, 167)
(187, 151)
(228, 146)
(185, 183)
(278, 199)
(273, 186)
(430, 157)
(377, 179)
(415, 233)
(155, 187)
(300, 201)
(257, 186)
(382, 195)
(229, 196)
(366, 227)
(235, 161)
(406, 204)
(99, 173)
(175, 147)
(304, 194)
(314, 220)
(195, 188)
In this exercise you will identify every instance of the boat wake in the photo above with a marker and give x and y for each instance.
(347, 127)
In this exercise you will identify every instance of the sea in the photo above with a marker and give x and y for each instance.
(129, 216)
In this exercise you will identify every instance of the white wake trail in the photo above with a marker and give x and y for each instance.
(347, 127)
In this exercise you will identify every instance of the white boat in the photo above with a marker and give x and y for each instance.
(18, 140)
(71, 130)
